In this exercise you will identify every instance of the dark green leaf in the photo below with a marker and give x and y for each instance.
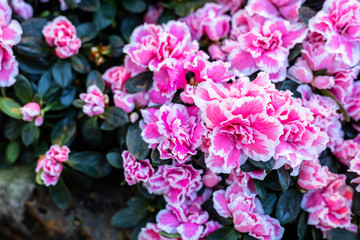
(13, 151)
(12, 129)
(44, 83)
(295, 52)
(23, 89)
(289, 85)
(60, 194)
(128, 217)
(95, 77)
(80, 64)
(166, 16)
(68, 95)
(93, 164)
(72, 4)
(248, 167)
(91, 132)
(170, 235)
(32, 47)
(340, 234)
(63, 132)
(134, 6)
(284, 178)
(288, 206)
(78, 103)
(128, 25)
(135, 143)
(228, 233)
(115, 159)
(106, 15)
(268, 165)
(116, 116)
(269, 203)
(260, 188)
(305, 13)
(33, 27)
(247, 237)
(140, 82)
(156, 160)
(29, 134)
(10, 107)
(90, 5)
(107, 126)
(115, 49)
(87, 31)
(62, 74)
(34, 65)
(302, 226)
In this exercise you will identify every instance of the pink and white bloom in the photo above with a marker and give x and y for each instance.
(136, 170)
(240, 127)
(5, 13)
(352, 102)
(61, 34)
(232, 5)
(115, 77)
(153, 13)
(95, 101)
(347, 150)
(210, 179)
(60, 154)
(289, 9)
(22, 8)
(267, 47)
(152, 231)
(63, 5)
(32, 111)
(50, 170)
(338, 22)
(175, 130)
(312, 175)
(177, 183)
(355, 167)
(329, 207)
(9, 67)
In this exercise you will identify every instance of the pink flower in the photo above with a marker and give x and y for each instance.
(312, 175)
(175, 130)
(177, 183)
(232, 5)
(128, 101)
(347, 150)
(209, 20)
(267, 47)
(355, 167)
(338, 22)
(5, 13)
(236, 115)
(210, 179)
(61, 34)
(94, 100)
(289, 9)
(31, 111)
(136, 170)
(60, 154)
(22, 8)
(50, 170)
(216, 52)
(63, 5)
(153, 13)
(329, 207)
(352, 102)
(240, 204)
(152, 231)
(115, 77)
(301, 72)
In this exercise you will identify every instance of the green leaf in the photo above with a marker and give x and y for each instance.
(13, 151)
(342, 109)
(95, 77)
(62, 74)
(33, 27)
(134, 6)
(91, 132)
(260, 189)
(115, 49)
(268, 165)
(128, 217)
(140, 82)
(44, 84)
(60, 194)
(63, 132)
(116, 116)
(288, 206)
(248, 167)
(93, 164)
(284, 178)
(80, 64)
(72, 4)
(156, 160)
(32, 47)
(115, 159)
(10, 107)
(89, 5)
(170, 235)
(135, 143)
(166, 16)
(68, 95)
(23, 89)
(29, 134)
(289, 85)
(305, 13)
(295, 52)
(228, 233)
(269, 203)
(340, 234)
(302, 226)
(106, 15)
(128, 25)
(107, 126)
(34, 65)
(38, 177)
(78, 103)
(87, 31)
(12, 129)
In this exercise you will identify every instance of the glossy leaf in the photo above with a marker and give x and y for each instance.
(134, 142)
(29, 134)
(140, 82)
(23, 89)
(288, 206)
(10, 107)
(63, 132)
(62, 74)
(116, 116)
(60, 194)
(105, 16)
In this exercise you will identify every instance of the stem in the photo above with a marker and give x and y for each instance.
(3, 93)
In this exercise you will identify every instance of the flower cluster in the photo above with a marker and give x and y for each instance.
(49, 166)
